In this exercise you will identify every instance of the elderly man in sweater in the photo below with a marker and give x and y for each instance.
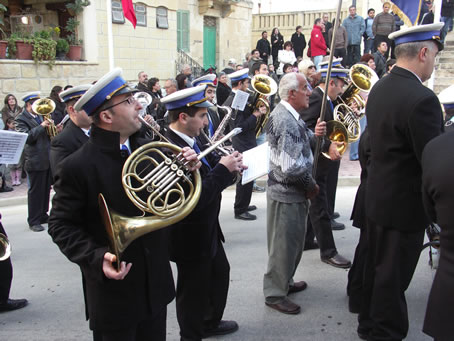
(290, 187)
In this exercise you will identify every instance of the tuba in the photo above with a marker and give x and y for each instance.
(44, 107)
(5, 247)
(156, 184)
(264, 86)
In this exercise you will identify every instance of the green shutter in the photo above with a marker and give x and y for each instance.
(183, 30)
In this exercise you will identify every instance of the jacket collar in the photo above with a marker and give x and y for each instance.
(400, 71)
(110, 140)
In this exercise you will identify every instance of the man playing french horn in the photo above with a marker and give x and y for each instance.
(129, 303)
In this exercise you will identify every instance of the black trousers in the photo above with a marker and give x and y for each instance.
(356, 272)
(353, 54)
(331, 186)
(202, 289)
(341, 53)
(38, 196)
(6, 274)
(152, 328)
(319, 212)
(242, 197)
(391, 261)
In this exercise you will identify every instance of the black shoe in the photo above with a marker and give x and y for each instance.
(338, 261)
(257, 188)
(6, 189)
(336, 226)
(251, 208)
(36, 228)
(223, 328)
(13, 304)
(363, 333)
(245, 216)
(335, 215)
(311, 245)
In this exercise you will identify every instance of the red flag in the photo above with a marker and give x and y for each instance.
(128, 10)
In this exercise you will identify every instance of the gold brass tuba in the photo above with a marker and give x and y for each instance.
(5, 247)
(153, 181)
(264, 86)
(44, 107)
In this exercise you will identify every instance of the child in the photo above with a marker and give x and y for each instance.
(15, 170)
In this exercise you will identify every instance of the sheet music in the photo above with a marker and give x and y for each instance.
(240, 100)
(11, 145)
(258, 161)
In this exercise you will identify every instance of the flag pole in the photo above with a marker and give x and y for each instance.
(437, 16)
(109, 34)
(325, 93)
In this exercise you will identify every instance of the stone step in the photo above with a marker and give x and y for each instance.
(446, 54)
(444, 81)
(444, 66)
(446, 60)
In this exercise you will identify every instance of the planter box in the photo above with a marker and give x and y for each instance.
(24, 50)
(75, 52)
(3, 46)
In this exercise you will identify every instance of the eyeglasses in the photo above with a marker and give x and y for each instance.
(311, 67)
(131, 100)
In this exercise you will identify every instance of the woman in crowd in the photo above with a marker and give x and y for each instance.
(368, 59)
(223, 89)
(277, 42)
(11, 109)
(182, 80)
(307, 68)
(286, 56)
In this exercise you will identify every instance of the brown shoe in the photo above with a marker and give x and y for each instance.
(286, 307)
(338, 261)
(296, 287)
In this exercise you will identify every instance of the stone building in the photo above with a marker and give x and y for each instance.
(169, 33)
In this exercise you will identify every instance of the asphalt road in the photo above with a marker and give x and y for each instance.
(56, 311)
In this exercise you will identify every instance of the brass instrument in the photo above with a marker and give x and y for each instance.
(145, 99)
(231, 115)
(44, 107)
(159, 191)
(337, 132)
(264, 86)
(5, 247)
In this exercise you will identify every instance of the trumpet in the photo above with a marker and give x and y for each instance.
(44, 107)
(264, 86)
(5, 247)
(159, 192)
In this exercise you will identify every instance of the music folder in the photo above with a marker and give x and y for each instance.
(11, 145)
(258, 161)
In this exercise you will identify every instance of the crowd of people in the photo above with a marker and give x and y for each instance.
(100, 128)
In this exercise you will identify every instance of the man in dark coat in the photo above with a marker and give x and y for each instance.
(298, 41)
(319, 211)
(142, 85)
(264, 47)
(76, 131)
(196, 241)
(127, 303)
(437, 164)
(37, 163)
(245, 119)
(402, 116)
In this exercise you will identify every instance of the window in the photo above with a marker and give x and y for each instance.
(141, 14)
(161, 17)
(117, 13)
(183, 30)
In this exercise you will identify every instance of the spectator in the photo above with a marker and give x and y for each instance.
(277, 43)
(355, 27)
(389, 65)
(318, 44)
(15, 170)
(380, 59)
(447, 13)
(428, 17)
(299, 42)
(247, 58)
(11, 109)
(287, 68)
(230, 68)
(368, 59)
(143, 82)
(255, 57)
(328, 26)
(369, 34)
(384, 24)
(307, 68)
(340, 42)
(263, 45)
(272, 73)
(187, 71)
(223, 89)
(170, 86)
(239, 67)
(182, 81)
(285, 56)
(60, 107)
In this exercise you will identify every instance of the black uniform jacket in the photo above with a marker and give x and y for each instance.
(36, 149)
(402, 116)
(67, 142)
(198, 235)
(359, 210)
(438, 195)
(245, 120)
(75, 225)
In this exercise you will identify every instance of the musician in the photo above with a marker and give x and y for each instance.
(320, 212)
(129, 304)
(37, 163)
(290, 187)
(437, 163)
(6, 277)
(196, 242)
(76, 131)
(447, 99)
(247, 120)
(402, 117)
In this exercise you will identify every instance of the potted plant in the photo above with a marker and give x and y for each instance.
(62, 48)
(75, 44)
(44, 47)
(20, 46)
(3, 43)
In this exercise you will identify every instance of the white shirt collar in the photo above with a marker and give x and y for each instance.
(86, 132)
(412, 73)
(289, 107)
(189, 140)
(126, 144)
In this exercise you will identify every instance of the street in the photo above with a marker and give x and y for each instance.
(53, 285)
